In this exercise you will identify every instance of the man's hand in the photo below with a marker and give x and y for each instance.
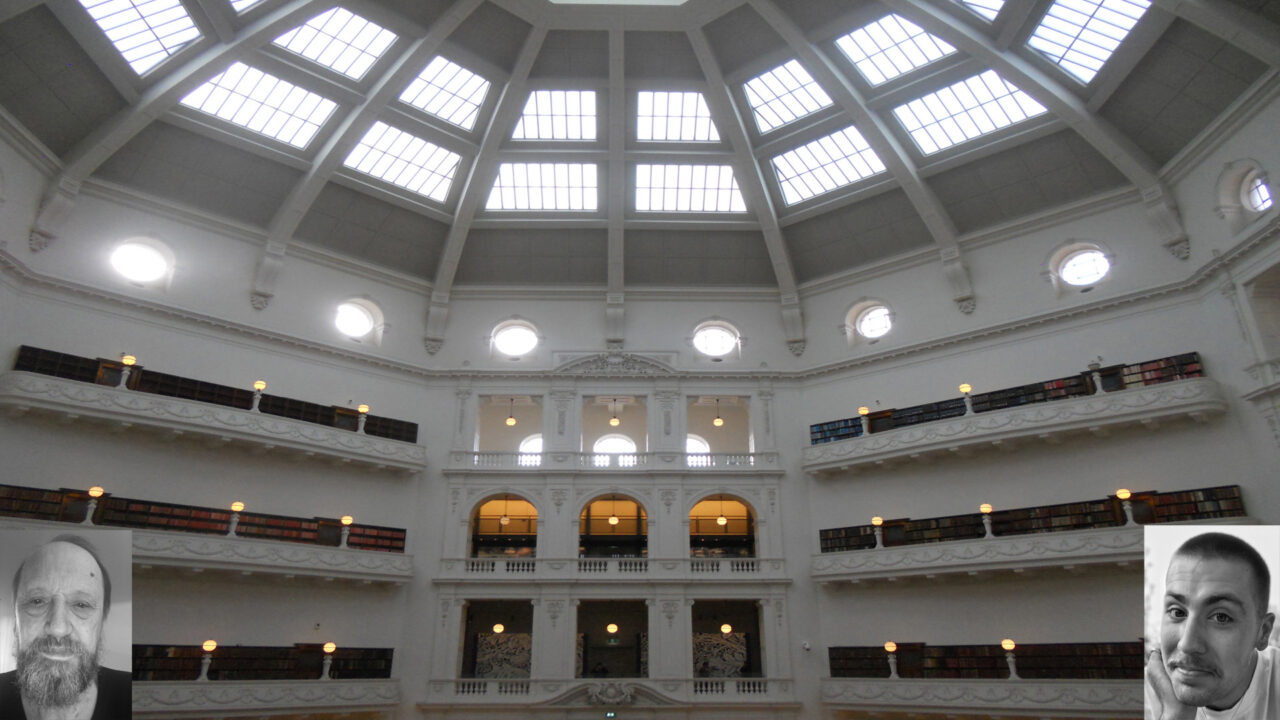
(1162, 704)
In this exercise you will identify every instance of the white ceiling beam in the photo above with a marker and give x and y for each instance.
(616, 193)
(478, 182)
(339, 144)
(939, 18)
(60, 196)
(1248, 31)
(220, 16)
(751, 182)
(885, 144)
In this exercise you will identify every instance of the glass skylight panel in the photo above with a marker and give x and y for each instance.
(988, 9)
(783, 94)
(544, 186)
(970, 108)
(558, 115)
(687, 188)
(825, 164)
(405, 160)
(241, 5)
(339, 40)
(1079, 35)
(448, 91)
(674, 116)
(144, 31)
(890, 47)
(262, 103)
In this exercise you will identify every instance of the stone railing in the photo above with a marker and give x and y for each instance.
(23, 392)
(1195, 398)
(263, 698)
(612, 569)
(463, 461)
(598, 692)
(155, 548)
(1111, 699)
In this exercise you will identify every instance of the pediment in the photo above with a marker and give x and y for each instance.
(615, 364)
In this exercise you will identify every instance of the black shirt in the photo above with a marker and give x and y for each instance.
(115, 696)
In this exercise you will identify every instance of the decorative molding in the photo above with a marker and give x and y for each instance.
(1080, 698)
(618, 572)
(757, 696)
(224, 698)
(1195, 397)
(615, 364)
(22, 391)
(664, 463)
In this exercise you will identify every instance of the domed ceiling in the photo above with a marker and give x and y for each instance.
(769, 143)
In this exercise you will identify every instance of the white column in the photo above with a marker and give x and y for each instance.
(763, 423)
(666, 421)
(447, 650)
(775, 637)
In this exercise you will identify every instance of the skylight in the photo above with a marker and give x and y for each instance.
(544, 186)
(825, 164)
(988, 9)
(340, 41)
(241, 5)
(262, 103)
(970, 108)
(687, 188)
(674, 116)
(784, 94)
(144, 31)
(448, 91)
(558, 115)
(1079, 35)
(405, 160)
(889, 47)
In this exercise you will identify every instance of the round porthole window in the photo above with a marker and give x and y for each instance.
(1084, 267)
(139, 262)
(715, 339)
(1257, 194)
(515, 338)
(354, 320)
(874, 322)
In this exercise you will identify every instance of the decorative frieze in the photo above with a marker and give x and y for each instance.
(1077, 698)
(261, 698)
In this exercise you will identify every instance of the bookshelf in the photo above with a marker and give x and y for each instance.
(835, 430)
(107, 372)
(1148, 507)
(1058, 661)
(236, 662)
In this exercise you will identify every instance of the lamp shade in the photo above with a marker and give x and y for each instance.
(209, 645)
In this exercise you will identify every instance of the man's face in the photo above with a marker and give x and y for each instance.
(59, 611)
(1210, 628)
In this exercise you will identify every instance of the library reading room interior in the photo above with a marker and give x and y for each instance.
(577, 359)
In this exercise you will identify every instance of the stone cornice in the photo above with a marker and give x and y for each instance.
(1195, 397)
(23, 391)
(260, 698)
(1078, 698)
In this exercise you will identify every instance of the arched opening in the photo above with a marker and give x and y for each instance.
(614, 450)
(697, 451)
(721, 526)
(613, 526)
(504, 526)
(530, 451)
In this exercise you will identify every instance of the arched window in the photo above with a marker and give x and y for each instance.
(614, 451)
(721, 526)
(697, 451)
(613, 526)
(504, 526)
(530, 451)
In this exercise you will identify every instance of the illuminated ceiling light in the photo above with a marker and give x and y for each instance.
(877, 521)
(1124, 494)
(96, 491)
(209, 645)
(237, 506)
(329, 647)
(128, 360)
(613, 520)
(611, 628)
(719, 421)
(985, 508)
(498, 628)
(722, 521)
(259, 385)
(864, 410)
(511, 414)
(504, 520)
(614, 421)
(726, 628)
(347, 520)
(891, 646)
(1008, 644)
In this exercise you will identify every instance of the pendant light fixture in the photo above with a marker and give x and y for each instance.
(613, 517)
(719, 421)
(511, 414)
(505, 520)
(614, 421)
(722, 520)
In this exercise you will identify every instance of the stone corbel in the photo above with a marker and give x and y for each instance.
(55, 207)
(793, 323)
(1163, 212)
(614, 313)
(958, 276)
(437, 316)
(264, 278)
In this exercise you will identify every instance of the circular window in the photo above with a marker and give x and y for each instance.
(139, 262)
(1257, 194)
(1085, 267)
(354, 320)
(874, 322)
(715, 339)
(515, 338)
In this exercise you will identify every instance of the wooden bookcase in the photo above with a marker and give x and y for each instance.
(1059, 661)
(835, 430)
(237, 662)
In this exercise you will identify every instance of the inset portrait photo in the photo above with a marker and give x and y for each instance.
(66, 623)
(1212, 643)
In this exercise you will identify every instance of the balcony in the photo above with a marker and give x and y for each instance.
(759, 693)
(262, 698)
(1195, 398)
(152, 548)
(1036, 698)
(218, 426)
(461, 461)
(645, 570)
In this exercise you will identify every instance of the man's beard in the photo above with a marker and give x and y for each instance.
(55, 683)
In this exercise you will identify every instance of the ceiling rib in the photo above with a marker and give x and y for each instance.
(14, 8)
(886, 146)
(339, 145)
(60, 195)
(1248, 31)
(936, 16)
(478, 182)
(751, 182)
(614, 308)
(219, 15)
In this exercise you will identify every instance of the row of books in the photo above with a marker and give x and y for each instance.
(300, 662)
(1147, 507)
(1113, 378)
(1034, 661)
